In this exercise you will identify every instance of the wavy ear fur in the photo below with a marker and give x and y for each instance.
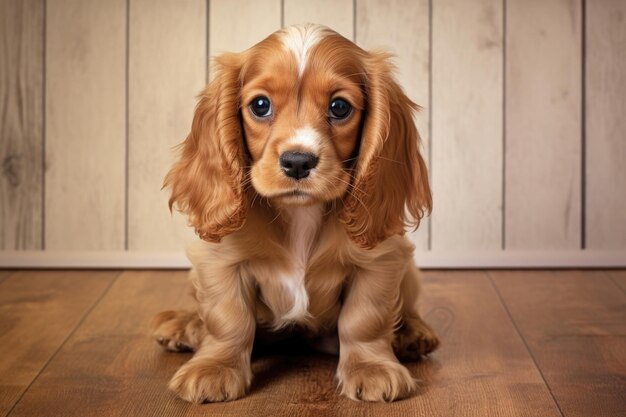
(206, 181)
(390, 172)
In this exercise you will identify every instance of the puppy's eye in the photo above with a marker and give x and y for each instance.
(339, 109)
(261, 107)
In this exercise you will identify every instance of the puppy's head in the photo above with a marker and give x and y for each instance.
(303, 117)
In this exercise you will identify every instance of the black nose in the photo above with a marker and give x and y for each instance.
(297, 165)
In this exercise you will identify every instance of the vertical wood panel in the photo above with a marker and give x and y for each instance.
(85, 124)
(167, 69)
(466, 133)
(402, 27)
(336, 14)
(543, 124)
(606, 124)
(21, 120)
(236, 25)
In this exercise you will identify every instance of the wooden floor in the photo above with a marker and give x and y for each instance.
(523, 343)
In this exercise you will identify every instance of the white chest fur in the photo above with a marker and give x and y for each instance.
(304, 223)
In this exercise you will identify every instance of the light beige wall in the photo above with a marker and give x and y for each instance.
(523, 113)
(543, 116)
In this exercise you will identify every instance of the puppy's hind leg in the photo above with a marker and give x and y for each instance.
(179, 331)
(414, 338)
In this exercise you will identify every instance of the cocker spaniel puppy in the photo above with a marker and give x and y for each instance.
(300, 173)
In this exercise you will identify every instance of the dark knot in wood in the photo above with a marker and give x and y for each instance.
(11, 169)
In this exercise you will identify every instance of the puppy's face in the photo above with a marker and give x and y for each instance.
(302, 106)
(305, 116)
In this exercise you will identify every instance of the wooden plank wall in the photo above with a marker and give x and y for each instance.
(522, 118)
(166, 67)
(21, 124)
(605, 155)
(466, 164)
(85, 125)
(543, 124)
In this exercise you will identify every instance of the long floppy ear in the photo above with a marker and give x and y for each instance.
(206, 181)
(390, 172)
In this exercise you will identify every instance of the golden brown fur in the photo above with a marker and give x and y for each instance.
(324, 255)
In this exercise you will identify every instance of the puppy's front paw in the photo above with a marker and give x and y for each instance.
(210, 382)
(376, 381)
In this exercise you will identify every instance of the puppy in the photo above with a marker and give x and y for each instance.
(300, 173)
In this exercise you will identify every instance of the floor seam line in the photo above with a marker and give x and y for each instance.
(519, 333)
(11, 273)
(610, 278)
(69, 336)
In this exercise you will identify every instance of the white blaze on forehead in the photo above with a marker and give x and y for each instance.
(306, 137)
(300, 39)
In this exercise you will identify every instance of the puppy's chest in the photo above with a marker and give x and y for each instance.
(305, 288)
(306, 293)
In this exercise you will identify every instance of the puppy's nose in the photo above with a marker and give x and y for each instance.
(297, 165)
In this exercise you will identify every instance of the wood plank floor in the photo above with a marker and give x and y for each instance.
(514, 343)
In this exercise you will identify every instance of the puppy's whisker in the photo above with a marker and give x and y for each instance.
(349, 160)
(278, 213)
(352, 186)
(388, 159)
(254, 199)
(353, 195)
(331, 208)
(350, 192)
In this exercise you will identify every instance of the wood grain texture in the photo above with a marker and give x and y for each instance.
(167, 69)
(21, 121)
(110, 367)
(466, 130)
(402, 27)
(543, 125)
(39, 310)
(85, 124)
(336, 14)
(605, 122)
(573, 323)
(236, 25)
